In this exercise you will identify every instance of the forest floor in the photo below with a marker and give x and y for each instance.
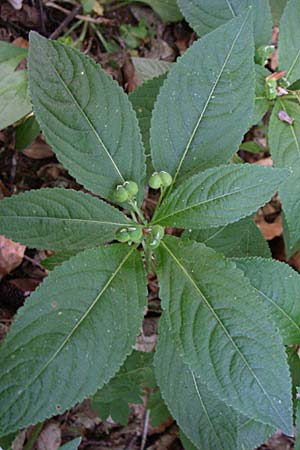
(116, 34)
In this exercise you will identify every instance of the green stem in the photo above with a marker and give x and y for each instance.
(73, 28)
(34, 435)
(148, 258)
(137, 210)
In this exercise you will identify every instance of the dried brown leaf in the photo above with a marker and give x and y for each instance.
(11, 255)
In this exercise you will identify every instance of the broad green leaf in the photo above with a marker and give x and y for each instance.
(26, 133)
(126, 387)
(289, 41)
(205, 16)
(277, 7)
(93, 306)
(239, 239)
(262, 103)
(297, 441)
(278, 286)
(85, 116)
(167, 9)
(10, 56)
(294, 365)
(143, 100)
(207, 421)
(220, 196)
(223, 332)
(147, 68)
(284, 142)
(57, 259)
(14, 101)
(201, 100)
(59, 219)
(72, 445)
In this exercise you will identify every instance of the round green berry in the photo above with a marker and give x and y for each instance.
(122, 235)
(158, 232)
(135, 234)
(131, 187)
(166, 178)
(120, 194)
(155, 181)
(154, 243)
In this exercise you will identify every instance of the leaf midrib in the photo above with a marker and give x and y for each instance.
(187, 148)
(81, 111)
(197, 205)
(226, 332)
(73, 330)
(58, 219)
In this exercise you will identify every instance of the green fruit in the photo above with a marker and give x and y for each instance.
(157, 232)
(166, 178)
(135, 234)
(154, 243)
(131, 187)
(155, 181)
(120, 194)
(122, 235)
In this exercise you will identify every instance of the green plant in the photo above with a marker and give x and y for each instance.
(220, 361)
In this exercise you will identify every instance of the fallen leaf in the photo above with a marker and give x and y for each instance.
(11, 255)
(269, 230)
(49, 438)
(265, 162)
(17, 4)
(21, 42)
(38, 150)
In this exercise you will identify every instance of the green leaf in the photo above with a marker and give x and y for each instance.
(294, 365)
(93, 306)
(59, 219)
(88, 5)
(277, 7)
(252, 147)
(57, 259)
(297, 441)
(201, 100)
(284, 142)
(220, 196)
(14, 101)
(147, 68)
(72, 445)
(167, 10)
(143, 100)
(159, 412)
(6, 441)
(262, 103)
(223, 333)
(205, 16)
(278, 285)
(85, 116)
(289, 41)
(239, 239)
(26, 133)
(126, 387)
(187, 445)
(10, 56)
(208, 422)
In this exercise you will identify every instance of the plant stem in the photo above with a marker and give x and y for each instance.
(34, 435)
(137, 210)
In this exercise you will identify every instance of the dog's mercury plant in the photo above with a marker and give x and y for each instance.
(220, 360)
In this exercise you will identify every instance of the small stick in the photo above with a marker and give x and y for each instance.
(41, 14)
(79, 16)
(65, 22)
(145, 430)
